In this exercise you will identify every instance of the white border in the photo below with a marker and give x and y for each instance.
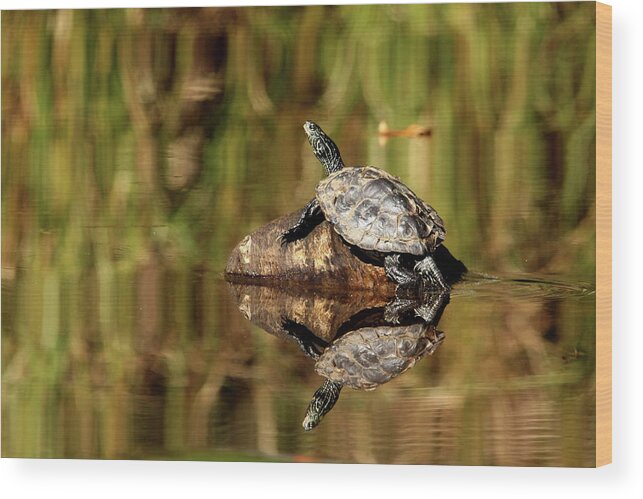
(103, 479)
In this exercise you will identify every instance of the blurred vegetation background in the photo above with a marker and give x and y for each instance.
(139, 146)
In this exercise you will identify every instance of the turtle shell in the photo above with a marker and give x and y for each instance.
(366, 358)
(373, 210)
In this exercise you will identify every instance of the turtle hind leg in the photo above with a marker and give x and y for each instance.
(397, 272)
(430, 272)
(310, 218)
(432, 306)
(394, 310)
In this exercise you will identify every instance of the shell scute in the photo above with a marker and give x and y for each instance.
(385, 347)
(396, 203)
(407, 228)
(384, 224)
(366, 212)
(378, 188)
(371, 209)
(393, 364)
(374, 376)
(365, 356)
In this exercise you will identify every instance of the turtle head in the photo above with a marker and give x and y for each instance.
(322, 402)
(324, 148)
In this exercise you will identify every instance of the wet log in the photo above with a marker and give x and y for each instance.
(321, 260)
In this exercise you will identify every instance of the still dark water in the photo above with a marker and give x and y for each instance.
(144, 145)
(511, 384)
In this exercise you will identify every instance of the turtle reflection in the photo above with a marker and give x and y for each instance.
(370, 349)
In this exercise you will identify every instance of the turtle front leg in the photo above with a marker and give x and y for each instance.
(430, 272)
(305, 338)
(310, 218)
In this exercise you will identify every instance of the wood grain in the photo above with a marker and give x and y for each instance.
(603, 234)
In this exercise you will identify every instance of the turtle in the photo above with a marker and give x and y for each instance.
(365, 355)
(375, 213)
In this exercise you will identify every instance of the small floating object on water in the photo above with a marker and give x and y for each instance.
(411, 131)
(575, 354)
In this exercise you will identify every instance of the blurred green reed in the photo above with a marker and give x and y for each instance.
(139, 146)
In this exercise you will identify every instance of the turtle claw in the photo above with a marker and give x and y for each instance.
(291, 235)
(392, 317)
(432, 304)
(425, 313)
(286, 237)
(310, 350)
(287, 324)
(430, 272)
(395, 309)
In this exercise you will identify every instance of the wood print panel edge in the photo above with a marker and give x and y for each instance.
(603, 234)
